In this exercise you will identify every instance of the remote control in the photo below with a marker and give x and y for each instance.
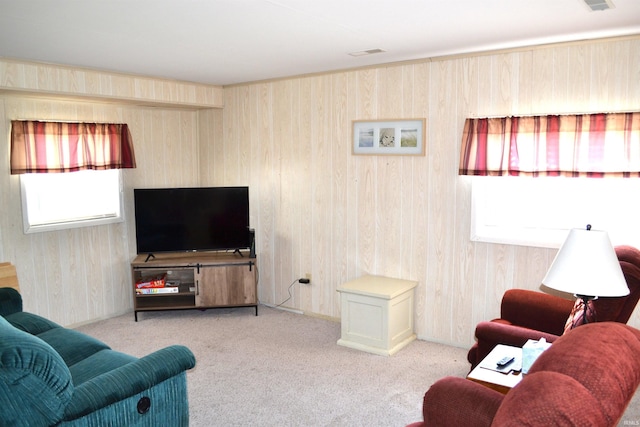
(505, 361)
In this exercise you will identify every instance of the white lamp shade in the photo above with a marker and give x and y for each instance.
(587, 264)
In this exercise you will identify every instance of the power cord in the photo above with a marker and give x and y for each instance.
(289, 291)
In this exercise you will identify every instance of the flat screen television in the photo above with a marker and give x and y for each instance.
(191, 219)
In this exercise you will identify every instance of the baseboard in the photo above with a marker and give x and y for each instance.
(97, 319)
(291, 310)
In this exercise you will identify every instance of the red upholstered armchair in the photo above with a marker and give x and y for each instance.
(526, 314)
(586, 378)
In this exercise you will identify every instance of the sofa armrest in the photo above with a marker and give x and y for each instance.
(10, 301)
(129, 380)
(490, 334)
(535, 310)
(454, 401)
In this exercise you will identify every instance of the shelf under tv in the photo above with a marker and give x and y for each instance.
(218, 279)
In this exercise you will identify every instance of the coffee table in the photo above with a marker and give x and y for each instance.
(486, 372)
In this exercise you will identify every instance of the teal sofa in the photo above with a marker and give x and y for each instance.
(54, 376)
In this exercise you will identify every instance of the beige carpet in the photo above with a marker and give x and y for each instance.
(285, 369)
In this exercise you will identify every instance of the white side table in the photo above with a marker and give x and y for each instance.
(377, 314)
(486, 374)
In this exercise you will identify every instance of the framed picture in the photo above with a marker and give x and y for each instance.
(389, 137)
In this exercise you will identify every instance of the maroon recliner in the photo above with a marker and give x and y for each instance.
(526, 314)
(586, 378)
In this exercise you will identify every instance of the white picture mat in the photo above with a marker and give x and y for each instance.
(389, 137)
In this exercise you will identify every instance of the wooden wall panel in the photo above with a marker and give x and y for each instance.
(420, 88)
(401, 216)
(302, 226)
(316, 208)
(340, 186)
(321, 186)
(58, 80)
(282, 192)
(266, 184)
(463, 273)
(364, 93)
(79, 275)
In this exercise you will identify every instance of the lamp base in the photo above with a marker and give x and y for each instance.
(583, 312)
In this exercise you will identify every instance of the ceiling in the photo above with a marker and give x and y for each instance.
(224, 42)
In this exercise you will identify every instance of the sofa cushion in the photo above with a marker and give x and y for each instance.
(612, 376)
(31, 323)
(443, 401)
(73, 346)
(35, 383)
(97, 364)
(549, 399)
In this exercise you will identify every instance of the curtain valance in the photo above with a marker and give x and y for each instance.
(593, 145)
(46, 147)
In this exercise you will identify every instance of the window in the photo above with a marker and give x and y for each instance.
(56, 201)
(70, 172)
(541, 211)
(533, 178)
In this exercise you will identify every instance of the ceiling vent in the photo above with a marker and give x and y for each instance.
(367, 52)
(599, 4)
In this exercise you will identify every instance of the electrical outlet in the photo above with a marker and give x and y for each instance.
(306, 279)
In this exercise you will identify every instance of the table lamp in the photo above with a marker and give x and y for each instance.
(587, 267)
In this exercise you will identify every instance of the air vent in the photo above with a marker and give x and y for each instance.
(599, 4)
(367, 52)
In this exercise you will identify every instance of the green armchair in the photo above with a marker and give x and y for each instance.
(50, 375)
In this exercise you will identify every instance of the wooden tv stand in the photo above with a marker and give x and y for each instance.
(205, 280)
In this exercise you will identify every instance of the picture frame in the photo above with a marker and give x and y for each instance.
(389, 137)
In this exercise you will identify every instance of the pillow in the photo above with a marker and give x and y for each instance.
(576, 318)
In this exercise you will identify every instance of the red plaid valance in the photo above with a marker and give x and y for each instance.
(593, 145)
(46, 147)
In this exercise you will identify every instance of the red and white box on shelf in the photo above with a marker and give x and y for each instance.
(152, 282)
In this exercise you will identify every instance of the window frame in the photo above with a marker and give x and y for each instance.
(104, 218)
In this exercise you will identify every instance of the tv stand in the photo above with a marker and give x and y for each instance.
(203, 280)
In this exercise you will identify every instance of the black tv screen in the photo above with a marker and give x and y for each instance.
(191, 219)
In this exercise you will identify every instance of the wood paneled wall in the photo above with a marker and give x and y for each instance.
(83, 274)
(319, 209)
(50, 80)
(316, 208)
